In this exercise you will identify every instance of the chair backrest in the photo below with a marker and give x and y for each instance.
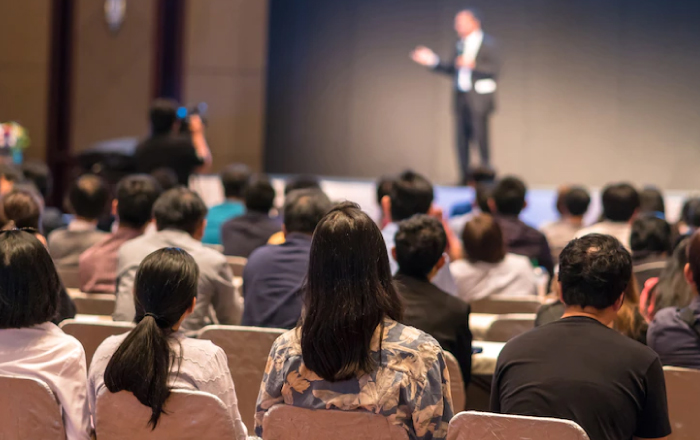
(247, 349)
(503, 304)
(70, 277)
(29, 410)
(92, 303)
(188, 415)
(286, 422)
(459, 397)
(506, 327)
(237, 265)
(91, 334)
(474, 425)
(683, 393)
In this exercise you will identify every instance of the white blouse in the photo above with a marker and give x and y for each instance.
(44, 352)
(514, 276)
(204, 368)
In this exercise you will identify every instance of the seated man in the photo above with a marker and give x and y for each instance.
(245, 233)
(87, 199)
(620, 205)
(134, 210)
(234, 179)
(274, 274)
(419, 250)
(578, 368)
(179, 215)
(572, 204)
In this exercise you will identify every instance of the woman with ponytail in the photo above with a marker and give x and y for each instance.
(155, 357)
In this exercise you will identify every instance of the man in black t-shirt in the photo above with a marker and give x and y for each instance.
(579, 369)
(166, 148)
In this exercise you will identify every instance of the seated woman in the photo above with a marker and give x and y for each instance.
(488, 270)
(30, 345)
(155, 357)
(349, 352)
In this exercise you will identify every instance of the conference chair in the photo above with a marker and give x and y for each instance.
(683, 394)
(92, 303)
(29, 410)
(247, 349)
(70, 277)
(287, 422)
(505, 304)
(92, 334)
(459, 398)
(188, 415)
(500, 328)
(237, 264)
(473, 425)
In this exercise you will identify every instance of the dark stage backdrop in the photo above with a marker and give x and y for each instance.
(590, 91)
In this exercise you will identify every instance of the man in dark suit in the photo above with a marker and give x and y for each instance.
(475, 68)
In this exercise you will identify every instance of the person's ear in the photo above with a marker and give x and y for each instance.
(620, 301)
(199, 230)
(525, 205)
(393, 253)
(441, 262)
(492, 205)
(115, 205)
(190, 309)
(386, 207)
(689, 275)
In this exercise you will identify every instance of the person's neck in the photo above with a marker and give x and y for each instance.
(574, 220)
(126, 227)
(605, 316)
(86, 220)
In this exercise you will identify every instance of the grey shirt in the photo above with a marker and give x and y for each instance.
(66, 245)
(216, 291)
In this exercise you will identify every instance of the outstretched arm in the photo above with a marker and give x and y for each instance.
(426, 57)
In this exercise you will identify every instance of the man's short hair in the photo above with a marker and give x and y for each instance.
(690, 213)
(259, 195)
(163, 115)
(651, 234)
(23, 208)
(10, 172)
(594, 271)
(181, 209)
(620, 201)
(509, 196)
(483, 240)
(483, 192)
(304, 181)
(420, 242)
(383, 187)
(166, 178)
(576, 201)
(304, 208)
(694, 256)
(234, 179)
(481, 173)
(39, 174)
(411, 194)
(136, 196)
(88, 196)
(651, 200)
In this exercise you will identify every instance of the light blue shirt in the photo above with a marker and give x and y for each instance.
(217, 216)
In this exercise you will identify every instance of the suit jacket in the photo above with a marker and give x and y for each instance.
(242, 235)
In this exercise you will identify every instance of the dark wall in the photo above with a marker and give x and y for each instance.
(590, 91)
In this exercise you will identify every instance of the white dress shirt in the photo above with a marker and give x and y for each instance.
(204, 368)
(470, 48)
(514, 276)
(44, 352)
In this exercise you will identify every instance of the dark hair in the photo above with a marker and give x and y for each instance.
(576, 201)
(690, 213)
(163, 115)
(594, 271)
(29, 284)
(620, 201)
(23, 208)
(234, 179)
(39, 174)
(483, 194)
(304, 181)
(694, 256)
(303, 209)
(420, 242)
(164, 287)
(10, 172)
(349, 292)
(672, 290)
(88, 196)
(384, 185)
(411, 194)
(179, 208)
(483, 240)
(259, 195)
(509, 196)
(650, 234)
(136, 196)
(166, 178)
(651, 200)
(481, 173)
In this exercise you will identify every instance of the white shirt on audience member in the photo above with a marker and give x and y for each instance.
(619, 230)
(204, 368)
(44, 352)
(514, 276)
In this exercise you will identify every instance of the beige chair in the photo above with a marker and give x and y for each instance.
(286, 422)
(188, 415)
(92, 303)
(29, 410)
(70, 277)
(237, 265)
(683, 393)
(474, 425)
(459, 398)
(217, 247)
(91, 334)
(506, 327)
(502, 304)
(247, 349)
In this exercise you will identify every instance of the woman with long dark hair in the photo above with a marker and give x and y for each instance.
(350, 352)
(155, 357)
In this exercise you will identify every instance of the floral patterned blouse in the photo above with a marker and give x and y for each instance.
(411, 386)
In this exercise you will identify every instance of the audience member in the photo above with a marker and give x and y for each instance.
(30, 345)
(482, 194)
(383, 190)
(303, 181)
(166, 178)
(670, 289)
(650, 241)
(9, 175)
(350, 351)
(179, 215)
(488, 270)
(412, 194)
(507, 202)
(245, 233)
(133, 207)
(419, 250)
(689, 220)
(651, 201)
(156, 357)
(620, 205)
(166, 147)
(572, 204)
(87, 199)
(39, 174)
(577, 368)
(274, 274)
(477, 175)
(234, 179)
